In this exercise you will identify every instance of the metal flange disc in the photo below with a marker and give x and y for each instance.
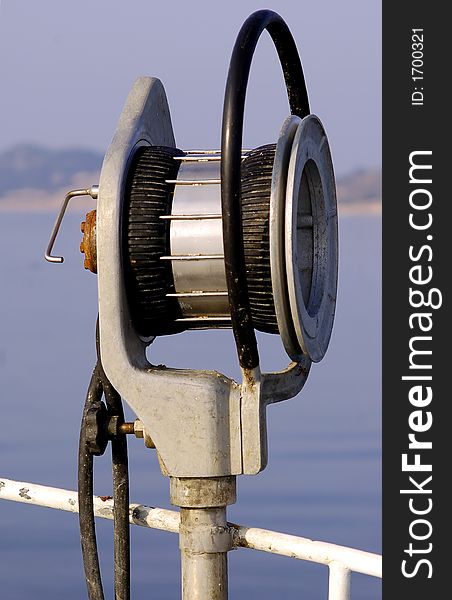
(277, 237)
(311, 248)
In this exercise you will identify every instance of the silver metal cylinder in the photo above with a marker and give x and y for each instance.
(204, 535)
(196, 240)
(204, 542)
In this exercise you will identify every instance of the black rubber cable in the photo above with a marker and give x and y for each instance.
(85, 497)
(120, 470)
(99, 385)
(231, 152)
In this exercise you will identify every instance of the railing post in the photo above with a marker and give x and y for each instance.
(339, 582)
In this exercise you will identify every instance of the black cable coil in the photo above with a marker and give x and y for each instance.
(100, 385)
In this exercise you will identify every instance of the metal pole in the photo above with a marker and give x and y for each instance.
(339, 582)
(204, 558)
(204, 535)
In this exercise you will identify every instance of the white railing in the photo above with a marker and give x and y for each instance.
(341, 561)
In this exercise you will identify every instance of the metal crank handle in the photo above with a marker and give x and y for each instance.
(93, 191)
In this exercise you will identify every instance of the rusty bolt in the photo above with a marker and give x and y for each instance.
(127, 428)
(88, 243)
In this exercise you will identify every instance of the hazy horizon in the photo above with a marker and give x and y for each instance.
(66, 70)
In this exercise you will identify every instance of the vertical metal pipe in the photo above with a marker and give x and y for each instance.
(204, 571)
(339, 582)
(204, 535)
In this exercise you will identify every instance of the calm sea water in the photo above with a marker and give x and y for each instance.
(323, 477)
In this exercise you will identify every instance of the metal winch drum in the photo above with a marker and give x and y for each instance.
(197, 239)
(171, 234)
(173, 250)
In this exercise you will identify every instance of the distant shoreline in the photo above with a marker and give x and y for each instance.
(35, 180)
(30, 175)
(354, 209)
(35, 202)
(51, 205)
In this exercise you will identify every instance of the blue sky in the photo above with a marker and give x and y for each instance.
(66, 68)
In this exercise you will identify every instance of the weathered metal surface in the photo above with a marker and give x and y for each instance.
(204, 540)
(60, 499)
(167, 520)
(254, 422)
(88, 244)
(202, 492)
(204, 534)
(285, 384)
(204, 531)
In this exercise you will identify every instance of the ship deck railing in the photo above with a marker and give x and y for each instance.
(340, 560)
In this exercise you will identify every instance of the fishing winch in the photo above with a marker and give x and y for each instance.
(173, 257)
(241, 238)
(162, 256)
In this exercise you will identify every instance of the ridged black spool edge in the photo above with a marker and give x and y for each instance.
(257, 169)
(146, 239)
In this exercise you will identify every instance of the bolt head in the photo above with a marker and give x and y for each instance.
(88, 244)
(138, 429)
(96, 434)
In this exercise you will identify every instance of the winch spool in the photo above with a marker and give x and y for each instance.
(222, 238)
(173, 256)
(146, 240)
(166, 295)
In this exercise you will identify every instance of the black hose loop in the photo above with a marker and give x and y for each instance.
(100, 386)
(85, 498)
(120, 472)
(231, 150)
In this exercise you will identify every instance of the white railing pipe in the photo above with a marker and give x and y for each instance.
(340, 559)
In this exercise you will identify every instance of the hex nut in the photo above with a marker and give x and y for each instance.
(138, 429)
(140, 432)
(88, 244)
